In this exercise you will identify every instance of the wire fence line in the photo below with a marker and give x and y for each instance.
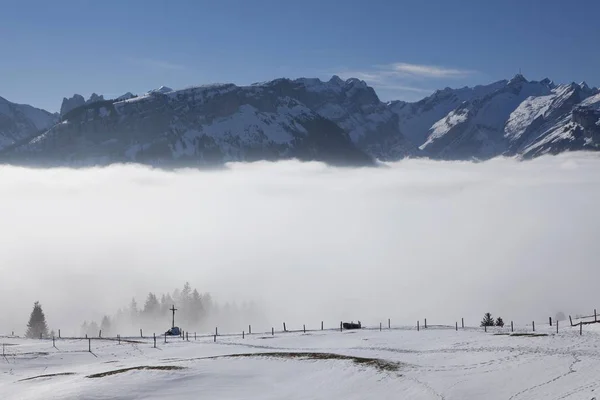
(91, 343)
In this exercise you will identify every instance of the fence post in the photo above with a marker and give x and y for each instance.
(512, 329)
(571, 320)
(581, 328)
(154, 335)
(243, 335)
(216, 331)
(425, 323)
(59, 333)
(272, 331)
(40, 335)
(418, 326)
(53, 344)
(550, 320)
(187, 336)
(462, 322)
(380, 327)
(215, 339)
(182, 335)
(304, 328)
(119, 338)
(100, 333)
(3, 350)
(321, 325)
(90, 345)
(284, 328)
(457, 326)
(249, 329)
(165, 338)
(389, 323)
(86, 336)
(533, 324)
(141, 333)
(341, 326)
(595, 316)
(195, 336)
(485, 327)
(556, 326)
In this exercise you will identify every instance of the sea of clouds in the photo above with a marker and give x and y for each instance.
(308, 242)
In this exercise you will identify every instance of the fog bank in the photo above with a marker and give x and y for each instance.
(307, 242)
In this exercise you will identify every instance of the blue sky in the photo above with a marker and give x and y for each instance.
(405, 49)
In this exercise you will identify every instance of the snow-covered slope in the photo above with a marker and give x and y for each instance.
(434, 363)
(20, 121)
(576, 128)
(416, 119)
(499, 122)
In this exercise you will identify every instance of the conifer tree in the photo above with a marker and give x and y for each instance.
(37, 322)
(487, 320)
(499, 322)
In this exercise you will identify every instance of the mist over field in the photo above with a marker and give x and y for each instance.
(306, 242)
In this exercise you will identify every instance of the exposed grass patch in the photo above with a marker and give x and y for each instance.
(47, 376)
(143, 367)
(529, 334)
(379, 364)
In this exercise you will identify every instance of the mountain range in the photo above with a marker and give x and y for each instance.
(341, 122)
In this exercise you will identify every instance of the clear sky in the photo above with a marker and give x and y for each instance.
(404, 48)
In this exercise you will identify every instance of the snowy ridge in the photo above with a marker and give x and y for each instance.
(520, 116)
(217, 123)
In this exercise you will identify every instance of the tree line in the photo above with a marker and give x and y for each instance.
(195, 311)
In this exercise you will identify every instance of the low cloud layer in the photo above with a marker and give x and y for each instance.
(307, 242)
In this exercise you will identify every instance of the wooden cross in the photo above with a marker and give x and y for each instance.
(173, 309)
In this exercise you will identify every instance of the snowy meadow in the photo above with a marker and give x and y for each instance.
(305, 241)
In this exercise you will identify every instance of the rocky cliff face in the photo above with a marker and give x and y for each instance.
(19, 122)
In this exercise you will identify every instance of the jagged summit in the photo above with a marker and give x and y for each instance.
(71, 103)
(94, 98)
(517, 79)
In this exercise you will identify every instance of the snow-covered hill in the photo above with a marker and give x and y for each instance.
(434, 363)
(19, 122)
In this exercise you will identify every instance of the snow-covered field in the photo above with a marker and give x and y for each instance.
(436, 363)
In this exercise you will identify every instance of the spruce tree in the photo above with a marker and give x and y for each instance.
(499, 322)
(37, 322)
(487, 320)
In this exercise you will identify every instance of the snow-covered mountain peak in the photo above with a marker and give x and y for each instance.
(584, 85)
(162, 89)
